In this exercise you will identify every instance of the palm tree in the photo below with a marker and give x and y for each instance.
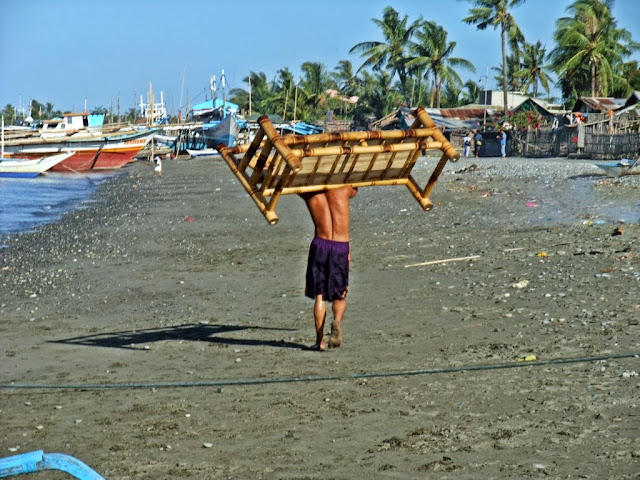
(391, 54)
(345, 78)
(379, 97)
(433, 54)
(260, 89)
(590, 48)
(533, 68)
(314, 84)
(471, 93)
(451, 95)
(496, 13)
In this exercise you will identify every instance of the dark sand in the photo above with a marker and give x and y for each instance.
(180, 281)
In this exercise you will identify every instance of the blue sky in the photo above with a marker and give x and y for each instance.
(67, 51)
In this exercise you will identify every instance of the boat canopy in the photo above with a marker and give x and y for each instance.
(211, 105)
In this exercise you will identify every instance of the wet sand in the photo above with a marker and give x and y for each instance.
(165, 328)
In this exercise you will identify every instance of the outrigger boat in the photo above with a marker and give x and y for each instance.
(617, 169)
(27, 168)
(103, 152)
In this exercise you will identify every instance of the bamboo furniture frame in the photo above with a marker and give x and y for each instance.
(274, 165)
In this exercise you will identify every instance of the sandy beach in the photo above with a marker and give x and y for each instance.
(161, 332)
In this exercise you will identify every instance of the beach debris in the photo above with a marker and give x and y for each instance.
(207, 445)
(520, 284)
(618, 231)
(629, 374)
(471, 168)
(531, 204)
(527, 358)
(446, 260)
(541, 254)
(189, 219)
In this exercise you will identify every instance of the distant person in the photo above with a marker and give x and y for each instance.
(466, 144)
(327, 278)
(157, 168)
(477, 143)
(503, 142)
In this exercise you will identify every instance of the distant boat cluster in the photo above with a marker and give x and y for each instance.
(80, 142)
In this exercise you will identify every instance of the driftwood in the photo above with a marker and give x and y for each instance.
(274, 165)
(438, 262)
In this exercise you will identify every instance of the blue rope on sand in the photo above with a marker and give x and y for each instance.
(318, 378)
(37, 461)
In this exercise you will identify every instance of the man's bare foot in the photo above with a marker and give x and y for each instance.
(318, 347)
(335, 340)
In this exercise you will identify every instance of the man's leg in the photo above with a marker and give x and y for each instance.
(319, 315)
(339, 308)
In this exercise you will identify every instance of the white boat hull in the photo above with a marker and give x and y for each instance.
(25, 168)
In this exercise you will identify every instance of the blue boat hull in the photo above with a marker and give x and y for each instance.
(19, 175)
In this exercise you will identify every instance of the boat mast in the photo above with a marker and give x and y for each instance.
(224, 99)
(184, 71)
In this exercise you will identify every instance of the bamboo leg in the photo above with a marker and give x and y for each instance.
(255, 195)
(422, 117)
(260, 163)
(414, 188)
(282, 148)
(434, 176)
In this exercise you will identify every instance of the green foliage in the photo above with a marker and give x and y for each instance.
(413, 65)
(590, 50)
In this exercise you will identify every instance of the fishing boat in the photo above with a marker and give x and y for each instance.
(29, 168)
(205, 152)
(616, 169)
(73, 124)
(224, 131)
(104, 152)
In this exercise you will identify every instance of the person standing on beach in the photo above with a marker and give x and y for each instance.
(503, 142)
(327, 277)
(466, 144)
(477, 143)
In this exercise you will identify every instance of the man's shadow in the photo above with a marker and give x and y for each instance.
(138, 339)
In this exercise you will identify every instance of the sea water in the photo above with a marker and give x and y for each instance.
(28, 203)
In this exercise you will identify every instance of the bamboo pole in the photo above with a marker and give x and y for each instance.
(423, 118)
(434, 176)
(255, 195)
(335, 137)
(414, 188)
(365, 149)
(281, 147)
(329, 186)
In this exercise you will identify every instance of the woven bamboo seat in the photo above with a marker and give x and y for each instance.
(273, 165)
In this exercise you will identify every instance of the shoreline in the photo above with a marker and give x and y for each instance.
(179, 279)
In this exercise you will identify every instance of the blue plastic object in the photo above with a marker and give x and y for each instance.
(37, 461)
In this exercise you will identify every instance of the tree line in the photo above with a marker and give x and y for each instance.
(414, 64)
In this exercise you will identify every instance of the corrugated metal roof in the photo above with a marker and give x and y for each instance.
(444, 118)
(599, 104)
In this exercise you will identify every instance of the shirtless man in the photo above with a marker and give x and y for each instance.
(329, 256)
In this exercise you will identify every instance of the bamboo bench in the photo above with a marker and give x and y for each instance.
(273, 165)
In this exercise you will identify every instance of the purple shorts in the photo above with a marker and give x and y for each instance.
(327, 270)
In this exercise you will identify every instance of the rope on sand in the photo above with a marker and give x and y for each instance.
(318, 378)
